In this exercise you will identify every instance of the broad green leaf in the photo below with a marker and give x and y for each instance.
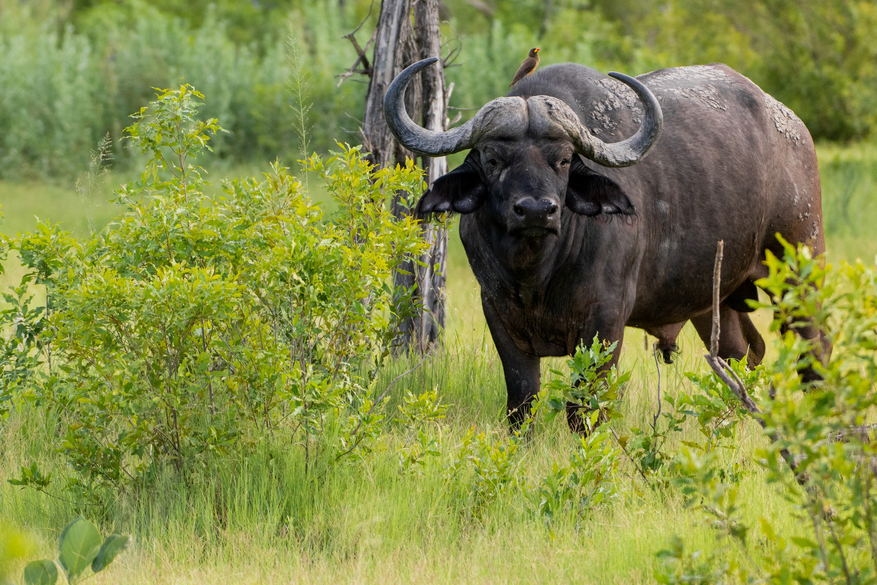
(110, 549)
(43, 572)
(80, 543)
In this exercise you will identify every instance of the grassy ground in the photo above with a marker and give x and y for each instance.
(367, 522)
(264, 521)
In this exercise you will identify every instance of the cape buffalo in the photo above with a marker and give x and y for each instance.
(572, 232)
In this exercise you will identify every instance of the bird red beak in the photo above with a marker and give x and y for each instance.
(536, 49)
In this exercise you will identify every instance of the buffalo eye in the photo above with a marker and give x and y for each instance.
(564, 162)
(492, 163)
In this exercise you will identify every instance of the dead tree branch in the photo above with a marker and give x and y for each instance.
(730, 378)
(361, 58)
(360, 52)
(717, 282)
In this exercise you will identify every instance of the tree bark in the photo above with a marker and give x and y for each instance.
(431, 277)
(397, 45)
(394, 35)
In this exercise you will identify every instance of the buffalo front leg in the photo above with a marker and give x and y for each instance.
(606, 334)
(521, 370)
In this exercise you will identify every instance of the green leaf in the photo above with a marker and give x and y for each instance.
(805, 542)
(80, 544)
(768, 530)
(110, 549)
(43, 572)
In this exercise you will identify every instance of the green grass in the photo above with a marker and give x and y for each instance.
(263, 520)
(367, 522)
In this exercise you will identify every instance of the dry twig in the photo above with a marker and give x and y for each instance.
(730, 377)
(360, 52)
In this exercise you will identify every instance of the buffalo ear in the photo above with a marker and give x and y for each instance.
(590, 193)
(462, 190)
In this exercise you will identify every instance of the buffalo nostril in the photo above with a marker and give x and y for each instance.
(552, 208)
(519, 211)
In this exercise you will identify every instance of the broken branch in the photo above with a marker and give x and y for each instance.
(730, 378)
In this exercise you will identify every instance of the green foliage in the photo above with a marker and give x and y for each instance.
(80, 542)
(71, 76)
(584, 484)
(32, 477)
(195, 327)
(592, 386)
(825, 432)
(716, 409)
(43, 572)
(112, 546)
(15, 546)
(493, 465)
(24, 322)
(79, 547)
(681, 566)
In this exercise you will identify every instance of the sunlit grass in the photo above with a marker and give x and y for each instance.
(263, 520)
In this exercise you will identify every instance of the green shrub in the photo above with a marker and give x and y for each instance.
(80, 547)
(195, 327)
(827, 430)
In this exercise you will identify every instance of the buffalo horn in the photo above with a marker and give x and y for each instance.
(503, 113)
(629, 151)
(494, 115)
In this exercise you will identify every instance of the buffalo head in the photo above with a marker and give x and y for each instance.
(523, 163)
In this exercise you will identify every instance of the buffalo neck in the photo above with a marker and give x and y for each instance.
(524, 265)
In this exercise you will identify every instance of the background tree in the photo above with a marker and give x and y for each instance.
(398, 43)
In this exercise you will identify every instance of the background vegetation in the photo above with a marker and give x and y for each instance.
(72, 72)
(278, 476)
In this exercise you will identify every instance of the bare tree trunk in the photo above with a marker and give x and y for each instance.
(431, 276)
(394, 28)
(396, 46)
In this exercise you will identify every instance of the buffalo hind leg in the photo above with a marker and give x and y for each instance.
(738, 336)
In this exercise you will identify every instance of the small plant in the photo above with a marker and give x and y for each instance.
(591, 386)
(717, 410)
(416, 413)
(80, 548)
(494, 467)
(680, 566)
(582, 485)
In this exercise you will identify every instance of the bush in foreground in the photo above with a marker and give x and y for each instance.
(195, 327)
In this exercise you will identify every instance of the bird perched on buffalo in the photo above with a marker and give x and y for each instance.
(527, 67)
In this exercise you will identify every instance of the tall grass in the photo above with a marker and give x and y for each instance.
(62, 90)
(264, 520)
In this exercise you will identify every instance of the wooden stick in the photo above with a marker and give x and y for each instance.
(717, 299)
(729, 376)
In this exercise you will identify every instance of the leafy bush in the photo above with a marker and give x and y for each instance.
(80, 547)
(825, 429)
(194, 327)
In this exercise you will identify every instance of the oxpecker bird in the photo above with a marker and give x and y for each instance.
(527, 67)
